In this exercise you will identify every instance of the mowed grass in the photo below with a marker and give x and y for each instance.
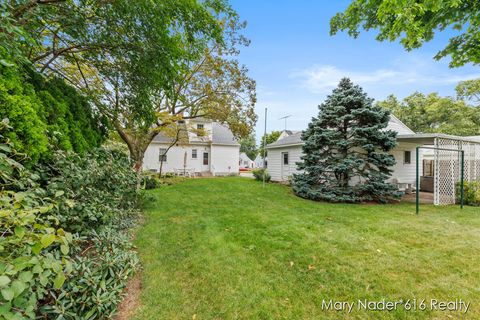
(226, 248)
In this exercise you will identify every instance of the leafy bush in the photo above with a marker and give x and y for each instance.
(149, 181)
(46, 114)
(47, 272)
(33, 250)
(471, 193)
(100, 273)
(92, 189)
(259, 173)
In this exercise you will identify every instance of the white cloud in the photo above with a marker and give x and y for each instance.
(323, 78)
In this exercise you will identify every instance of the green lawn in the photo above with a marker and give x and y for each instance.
(227, 249)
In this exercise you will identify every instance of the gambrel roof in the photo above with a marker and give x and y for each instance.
(220, 135)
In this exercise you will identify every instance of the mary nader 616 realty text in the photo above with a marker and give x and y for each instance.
(408, 305)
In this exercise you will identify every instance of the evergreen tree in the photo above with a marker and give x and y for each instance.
(345, 150)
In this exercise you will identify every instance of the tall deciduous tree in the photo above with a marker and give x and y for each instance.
(345, 150)
(146, 63)
(469, 90)
(268, 138)
(435, 114)
(415, 22)
(210, 85)
(249, 146)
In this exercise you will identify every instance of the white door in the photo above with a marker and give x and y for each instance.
(285, 167)
(205, 161)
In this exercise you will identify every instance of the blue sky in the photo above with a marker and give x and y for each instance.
(296, 63)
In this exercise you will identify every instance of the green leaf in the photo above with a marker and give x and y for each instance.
(47, 239)
(4, 280)
(59, 193)
(5, 148)
(18, 287)
(43, 280)
(25, 276)
(64, 249)
(19, 231)
(6, 63)
(8, 294)
(37, 248)
(59, 280)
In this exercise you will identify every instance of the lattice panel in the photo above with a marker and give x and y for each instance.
(447, 168)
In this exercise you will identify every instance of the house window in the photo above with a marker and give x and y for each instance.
(163, 155)
(200, 126)
(407, 157)
(285, 158)
(194, 153)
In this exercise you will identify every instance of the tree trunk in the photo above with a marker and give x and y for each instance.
(137, 157)
(160, 171)
(137, 147)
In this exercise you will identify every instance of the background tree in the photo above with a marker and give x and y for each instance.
(249, 146)
(415, 22)
(469, 90)
(209, 85)
(145, 63)
(347, 144)
(269, 138)
(434, 114)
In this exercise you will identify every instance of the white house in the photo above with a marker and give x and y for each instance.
(284, 153)
(244, 161)
(205, 148)
(258, 162)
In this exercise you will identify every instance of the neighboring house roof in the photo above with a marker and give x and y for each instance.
(398, 126)
(244, 156)
(476, 138)
(429, 138)
(295, 138)
(258, 158)
(286, 133)
(221, 135)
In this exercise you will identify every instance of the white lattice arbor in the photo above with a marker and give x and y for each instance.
(447, 167)
(447, 162)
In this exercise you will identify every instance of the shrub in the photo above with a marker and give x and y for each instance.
(100, 272)
(92, 189)
(33, 249)
(46, 114)
(259, 173)
(471, 193)
(47, 272)
(149, 181)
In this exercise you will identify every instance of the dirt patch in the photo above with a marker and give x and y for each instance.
(131, 302)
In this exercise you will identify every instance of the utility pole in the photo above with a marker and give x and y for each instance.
(264, 145)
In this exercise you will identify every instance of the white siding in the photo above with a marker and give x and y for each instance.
(175, 157)
(224, 159)
(275, 161)
(405, 173)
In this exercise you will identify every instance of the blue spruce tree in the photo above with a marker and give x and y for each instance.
(345, 151)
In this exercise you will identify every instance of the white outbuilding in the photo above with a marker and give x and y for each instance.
(441, 174)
